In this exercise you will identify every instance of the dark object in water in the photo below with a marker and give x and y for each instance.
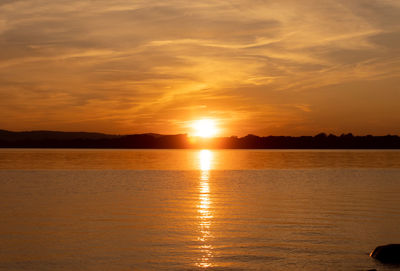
(387, 254)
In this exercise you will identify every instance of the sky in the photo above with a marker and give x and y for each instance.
(283, 67)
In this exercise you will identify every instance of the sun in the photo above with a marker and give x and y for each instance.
(205, 128)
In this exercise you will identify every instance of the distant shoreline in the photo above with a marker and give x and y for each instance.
(267, 149)
(82, 140)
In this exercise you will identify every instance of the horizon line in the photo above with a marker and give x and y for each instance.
(188, 134)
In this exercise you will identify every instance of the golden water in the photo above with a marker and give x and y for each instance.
(196, 210)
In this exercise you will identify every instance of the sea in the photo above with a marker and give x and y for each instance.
(92, 209)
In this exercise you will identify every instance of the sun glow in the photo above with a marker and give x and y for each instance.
(205, 128)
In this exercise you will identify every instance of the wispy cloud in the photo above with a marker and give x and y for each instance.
(140, 66)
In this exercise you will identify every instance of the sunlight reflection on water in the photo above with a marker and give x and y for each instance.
(191, 210)
(205, 215)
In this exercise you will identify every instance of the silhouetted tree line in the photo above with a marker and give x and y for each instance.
(50, 139)
(320, 141)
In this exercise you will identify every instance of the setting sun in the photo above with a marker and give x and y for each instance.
(205, 128)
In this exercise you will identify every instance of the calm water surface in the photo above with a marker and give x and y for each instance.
(195, 210)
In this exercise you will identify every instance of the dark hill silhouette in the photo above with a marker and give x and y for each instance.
(42, 135)
(53, 139)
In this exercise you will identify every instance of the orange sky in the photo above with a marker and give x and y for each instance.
(283, 67)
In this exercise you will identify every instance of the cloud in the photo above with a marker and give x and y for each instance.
(132, 66)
